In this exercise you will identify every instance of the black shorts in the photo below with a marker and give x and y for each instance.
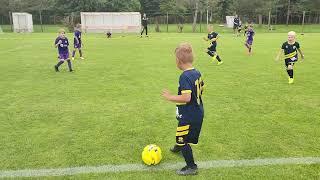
(188, 133)
(212, 48)
(235, 26)
(288, 62)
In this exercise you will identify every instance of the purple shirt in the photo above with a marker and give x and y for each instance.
(77, 34)
(250, 34)
(63, 47)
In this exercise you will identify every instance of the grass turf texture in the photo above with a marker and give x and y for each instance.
(110, 108)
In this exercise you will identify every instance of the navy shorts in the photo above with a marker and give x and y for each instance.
(77, 45)
(212, 48)
(249, 42)
(188, 133)
(63, 56)
(290, 61)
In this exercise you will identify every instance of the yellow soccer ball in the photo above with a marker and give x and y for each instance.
(151, 154)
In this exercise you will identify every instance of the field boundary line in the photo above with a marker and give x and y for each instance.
(164, 166)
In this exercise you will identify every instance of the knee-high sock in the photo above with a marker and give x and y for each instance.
(59, 63)
(73, 53)
(69, 65)
(218, 58)
(80, 52)
(188, 156)
(290, 73)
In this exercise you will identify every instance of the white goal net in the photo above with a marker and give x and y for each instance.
(102, 22)
(22, 22)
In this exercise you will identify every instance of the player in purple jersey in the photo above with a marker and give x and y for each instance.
(77, 41)
(62, 44)
(249, 41)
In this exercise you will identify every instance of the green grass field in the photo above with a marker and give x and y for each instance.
(110, 107)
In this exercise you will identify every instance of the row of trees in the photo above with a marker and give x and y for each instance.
(218, 9)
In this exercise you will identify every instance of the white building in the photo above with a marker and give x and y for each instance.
(22, 22)
(115, 22)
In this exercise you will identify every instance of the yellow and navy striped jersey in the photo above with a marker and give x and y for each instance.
(211, 36)
(190, 81)
(290, 50)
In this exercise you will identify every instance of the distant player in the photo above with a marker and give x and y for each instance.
(236, 23)
(62, 44)
(189, 107)
(144, 24)
(249, 41)
(212, 49)
(239, 28)
(77, 41)
(108, 34)
(290, 49)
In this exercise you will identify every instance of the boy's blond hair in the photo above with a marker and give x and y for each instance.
(291, 33)
(62, 31)
(184, 53)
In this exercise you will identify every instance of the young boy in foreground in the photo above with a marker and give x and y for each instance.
(290, 49)
(189, 112)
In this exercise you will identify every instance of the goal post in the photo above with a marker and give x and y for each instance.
(22, 22)
(115, 22)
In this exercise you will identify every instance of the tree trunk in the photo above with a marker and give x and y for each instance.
(260, 20)
(157, 28)
(288, 13)
(195, 17)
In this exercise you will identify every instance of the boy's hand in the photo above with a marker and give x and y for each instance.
(302, 57)
(166, 95)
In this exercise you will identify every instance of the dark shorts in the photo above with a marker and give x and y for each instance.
(249, 42)
(235, 26)
(63, 56)
(212, 48)
(291, 61)
(77, 46)
(188, 133)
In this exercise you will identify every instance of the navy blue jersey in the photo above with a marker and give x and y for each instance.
(211, 36)
(77, 34)
(290, 50)
(191, 82)
(63, 47)
(236, 21)
(144, 22)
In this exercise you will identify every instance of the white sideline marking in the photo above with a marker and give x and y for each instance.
(164, 166)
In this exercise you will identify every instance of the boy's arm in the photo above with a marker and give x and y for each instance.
(302, 55)
(279, 53)
(57, 43)
(184, 98)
